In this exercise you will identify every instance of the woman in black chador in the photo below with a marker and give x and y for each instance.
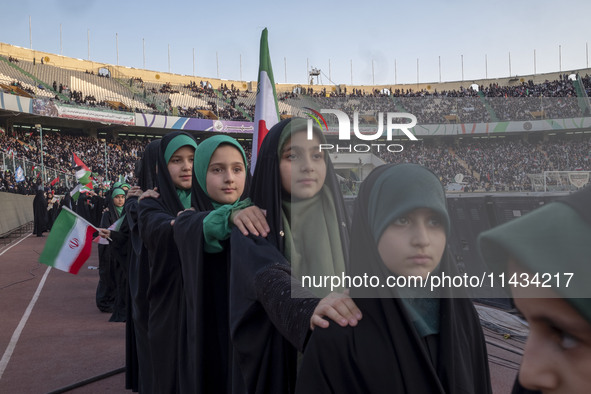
(410, 340)
(39, 213)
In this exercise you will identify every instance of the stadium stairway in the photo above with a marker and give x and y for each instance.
(139, 94)
(237, 107)
(583, 99)
(489, 109)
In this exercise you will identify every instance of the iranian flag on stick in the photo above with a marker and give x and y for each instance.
(266, 111)
(69, 243)
(113, 227)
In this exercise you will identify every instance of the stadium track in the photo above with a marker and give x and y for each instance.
(66, 340)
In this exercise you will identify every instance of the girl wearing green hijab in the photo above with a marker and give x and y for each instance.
(409, 340)
(546, 247)
(166, 288)
(110, 292)
(202, 238)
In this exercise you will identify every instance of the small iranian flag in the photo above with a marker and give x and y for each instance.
(266, 110)
(69, 243)
(113, 227)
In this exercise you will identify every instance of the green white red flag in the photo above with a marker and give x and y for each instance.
(83, 173)
(69, 243)
(266, 111)
(113, 227)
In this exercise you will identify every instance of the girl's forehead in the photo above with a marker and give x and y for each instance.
(300, 139)
(184, 150)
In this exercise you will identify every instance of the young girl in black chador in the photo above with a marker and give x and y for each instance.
(202, 238)
(409, 340)
(295, 184)
(166, 291)
(111, 289)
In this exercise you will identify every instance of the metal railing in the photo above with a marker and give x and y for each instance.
(11, 162)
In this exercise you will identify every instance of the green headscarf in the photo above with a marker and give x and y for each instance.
(397, 191)
(552, 239)
(178, 142)
(175, 144)
(402, 189)
(216, 225)
(118, 192)
(204, 153)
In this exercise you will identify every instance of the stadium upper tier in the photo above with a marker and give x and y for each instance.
(85, 83)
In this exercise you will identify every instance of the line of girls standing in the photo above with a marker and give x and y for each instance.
(217, 258)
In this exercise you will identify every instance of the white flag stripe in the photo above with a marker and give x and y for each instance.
(73, 245)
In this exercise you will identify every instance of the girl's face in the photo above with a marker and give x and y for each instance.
(119, 200)
(557, 354)
(180, 167)
(226, 175)
(413, 244)
(302, 166)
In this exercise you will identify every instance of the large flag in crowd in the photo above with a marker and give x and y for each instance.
(83, 174)
(266, 112)
(69, 243)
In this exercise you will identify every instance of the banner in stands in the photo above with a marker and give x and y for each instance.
(180, 123)
(50, 108)
(12, 102)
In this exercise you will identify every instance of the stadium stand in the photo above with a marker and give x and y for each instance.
(486, 163)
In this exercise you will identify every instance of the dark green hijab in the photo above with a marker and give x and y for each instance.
(554, 239)
(396, 191)
(118, 192)
(175, 144)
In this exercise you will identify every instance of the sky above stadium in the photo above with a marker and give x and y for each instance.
(359, 42)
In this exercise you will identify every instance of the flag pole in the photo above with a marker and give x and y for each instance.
(266, 113)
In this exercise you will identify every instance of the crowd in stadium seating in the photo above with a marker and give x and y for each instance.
(496, 164)
(525, 101)
(58, 149)
(486, 164)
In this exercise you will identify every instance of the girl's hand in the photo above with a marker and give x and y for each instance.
(339, 307)
(251, 220)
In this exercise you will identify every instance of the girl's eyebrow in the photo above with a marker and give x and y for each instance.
(222, 163)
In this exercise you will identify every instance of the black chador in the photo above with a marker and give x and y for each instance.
(166, 290)
(138, 371)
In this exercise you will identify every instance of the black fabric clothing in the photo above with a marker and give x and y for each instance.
(166, 290)
(106, 288)
(120, 252)
(268, 325)
(165, 293)
(138, 360)
(39, 213)
(206, 364)
(384, 353)
(207, 355)
(111, 293)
